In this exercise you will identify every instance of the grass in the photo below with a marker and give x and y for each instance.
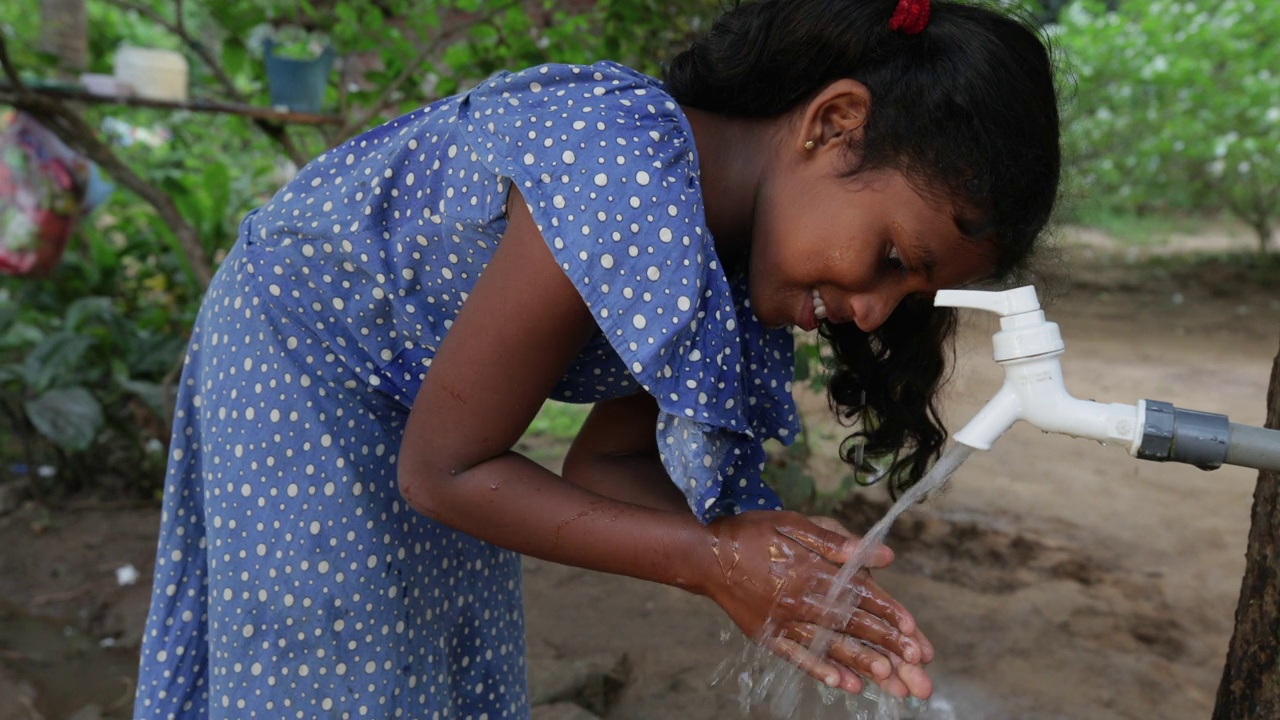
(558, 420)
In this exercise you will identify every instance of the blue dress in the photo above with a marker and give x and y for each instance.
(292, 580)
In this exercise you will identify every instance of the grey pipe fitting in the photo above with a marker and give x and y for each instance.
(1186, 436)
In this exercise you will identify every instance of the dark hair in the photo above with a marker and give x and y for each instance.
(966, 109)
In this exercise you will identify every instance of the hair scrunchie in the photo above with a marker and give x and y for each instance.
(910, 16)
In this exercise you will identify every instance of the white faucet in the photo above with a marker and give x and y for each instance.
(1028, 347)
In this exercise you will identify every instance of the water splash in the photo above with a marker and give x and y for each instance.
(764, 681)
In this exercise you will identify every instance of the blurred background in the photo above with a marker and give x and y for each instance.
(1058, 578)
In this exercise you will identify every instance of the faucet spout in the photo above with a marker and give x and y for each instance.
(993, 420)
(1034, 392)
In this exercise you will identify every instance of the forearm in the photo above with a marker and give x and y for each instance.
(515, 503)
(638, 478)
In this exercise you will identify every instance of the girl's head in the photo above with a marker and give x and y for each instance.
(907, 162)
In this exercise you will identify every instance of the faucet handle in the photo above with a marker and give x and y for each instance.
(1003, 303)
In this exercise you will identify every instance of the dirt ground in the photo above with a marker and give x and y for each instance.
(1056, 577)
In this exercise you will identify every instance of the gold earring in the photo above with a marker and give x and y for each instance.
(809, 145)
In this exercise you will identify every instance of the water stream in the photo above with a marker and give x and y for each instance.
(770, 684)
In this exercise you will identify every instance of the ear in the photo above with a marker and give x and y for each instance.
(836, 110)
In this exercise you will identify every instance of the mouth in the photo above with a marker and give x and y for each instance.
(819, 307)
(813, 312)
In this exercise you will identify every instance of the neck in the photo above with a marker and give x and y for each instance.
(732, 153)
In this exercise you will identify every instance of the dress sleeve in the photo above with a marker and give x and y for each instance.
(605, 161)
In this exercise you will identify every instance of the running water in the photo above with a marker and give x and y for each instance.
(765, 680)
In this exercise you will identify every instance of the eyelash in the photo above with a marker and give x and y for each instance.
(893, 261)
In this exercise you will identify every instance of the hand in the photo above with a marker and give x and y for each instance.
(907, 677)
(775, 569)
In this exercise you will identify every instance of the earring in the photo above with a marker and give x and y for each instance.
(809, 145)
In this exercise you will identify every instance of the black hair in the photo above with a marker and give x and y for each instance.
(966, 109)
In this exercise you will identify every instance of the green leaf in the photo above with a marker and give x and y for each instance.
(55, 358)
(86, 309)
(150, 393)
(70, 417)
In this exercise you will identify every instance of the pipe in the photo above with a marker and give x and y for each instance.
(1254, 447)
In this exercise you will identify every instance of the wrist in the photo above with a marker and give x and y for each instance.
(698, 566)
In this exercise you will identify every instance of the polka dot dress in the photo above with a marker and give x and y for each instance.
(292, 581)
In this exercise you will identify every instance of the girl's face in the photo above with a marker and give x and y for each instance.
(852, 247)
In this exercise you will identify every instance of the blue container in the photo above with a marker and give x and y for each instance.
(297, 84)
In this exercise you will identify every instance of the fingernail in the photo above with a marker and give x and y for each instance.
(880, 668)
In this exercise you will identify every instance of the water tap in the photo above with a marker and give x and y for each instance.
(1028, 347)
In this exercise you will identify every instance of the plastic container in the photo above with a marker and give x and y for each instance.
(153, 74)
(298, 85)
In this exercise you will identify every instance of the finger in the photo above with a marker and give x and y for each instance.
(882, 556)
(793, 652)
(871, 629)
(914, 677)
(835, 546)
(860, 657)
(926, 646)
(878, 602)
(803, 634)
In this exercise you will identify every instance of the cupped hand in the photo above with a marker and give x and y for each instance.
(771, 574)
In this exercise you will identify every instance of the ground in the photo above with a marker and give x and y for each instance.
(1057, 578)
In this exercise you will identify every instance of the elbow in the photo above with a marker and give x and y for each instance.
(422, 486)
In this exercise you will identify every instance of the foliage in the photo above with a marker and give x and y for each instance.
(1177, 106)
(558, 420)
(86, 355)
(82, 370)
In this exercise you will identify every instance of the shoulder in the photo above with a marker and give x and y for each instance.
(558, 84)
(605, 110)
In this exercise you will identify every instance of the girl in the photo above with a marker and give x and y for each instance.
(344, 513)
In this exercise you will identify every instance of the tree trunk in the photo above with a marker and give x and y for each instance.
(64, 33)
(1250, 685)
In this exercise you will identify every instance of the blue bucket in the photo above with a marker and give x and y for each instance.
(297, 84)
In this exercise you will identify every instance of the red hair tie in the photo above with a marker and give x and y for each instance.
(910, 16)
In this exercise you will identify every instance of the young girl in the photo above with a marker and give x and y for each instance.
(344, 513)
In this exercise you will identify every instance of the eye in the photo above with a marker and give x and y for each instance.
(893, 260)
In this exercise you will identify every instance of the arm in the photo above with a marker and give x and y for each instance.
(616, 455)
(521, 326)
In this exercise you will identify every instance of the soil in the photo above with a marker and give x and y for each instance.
(1057, 578)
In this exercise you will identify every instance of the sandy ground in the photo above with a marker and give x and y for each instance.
(1057, 578)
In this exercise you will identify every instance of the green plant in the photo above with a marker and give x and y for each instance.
(1177, 106)
(99, 342)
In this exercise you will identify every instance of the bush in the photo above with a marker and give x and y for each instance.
(1177, 106)
(86, 355)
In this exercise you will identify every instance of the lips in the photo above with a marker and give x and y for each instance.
(812, 312)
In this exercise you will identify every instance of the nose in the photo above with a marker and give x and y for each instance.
(870, 310)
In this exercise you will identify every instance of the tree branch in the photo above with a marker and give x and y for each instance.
(272, 130)
(428, 49)
(10, 71)
(255, 112)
